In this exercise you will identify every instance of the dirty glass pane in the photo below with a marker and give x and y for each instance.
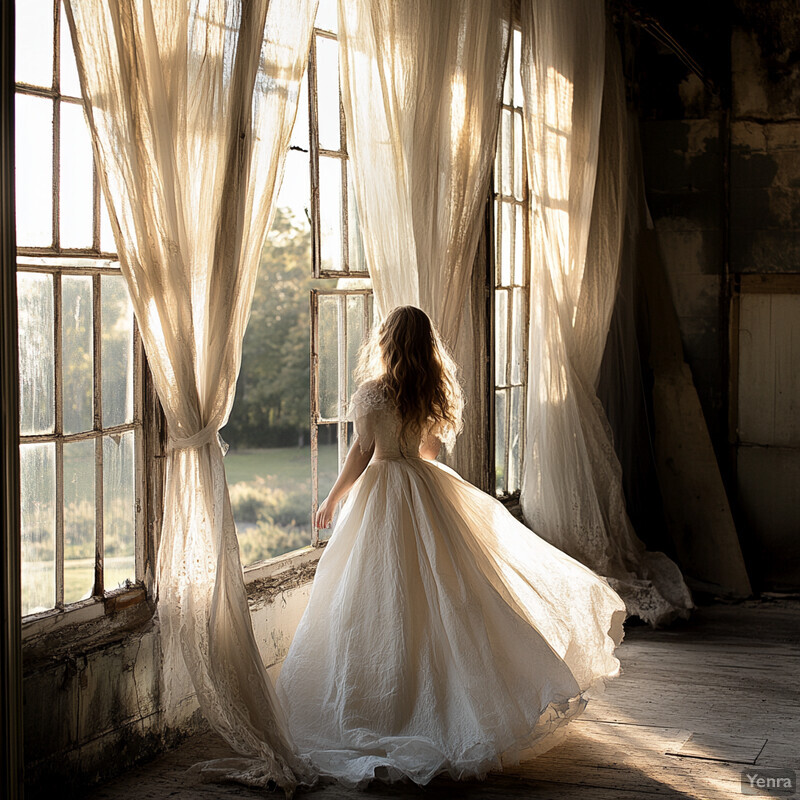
(117, 351)
(355, 335)
(370, 311)
(37, 463)
(357, 259)
(497, 241)
(77, 183)
(36, 355)
(33, 53)
(500, 443)
(327, 466)
(515, 436)
(507, 243)
(330, 213)
(328, 93)
(506, 155)
(77, 347)
(119, 520)
(500, 335)
(70, 84)
(498, 159)
(519, 247)
(508, 85)
(79, 522)
(519, 182)
(34, 171)
(328, 356)
(518, 329)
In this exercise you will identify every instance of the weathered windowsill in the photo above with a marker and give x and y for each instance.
(267, 580)
(84, 627)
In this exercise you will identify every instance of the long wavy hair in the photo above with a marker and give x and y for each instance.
(409, 361)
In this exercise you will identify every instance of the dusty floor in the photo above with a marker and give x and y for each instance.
(695, 707)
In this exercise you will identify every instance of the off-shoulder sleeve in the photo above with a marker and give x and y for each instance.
(363, 404)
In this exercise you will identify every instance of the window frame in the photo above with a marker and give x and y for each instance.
(344, 428)
(316, 151)
(146, 425)
(487, 253)
(495, 284)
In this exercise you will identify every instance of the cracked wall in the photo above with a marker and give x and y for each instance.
(92, 706)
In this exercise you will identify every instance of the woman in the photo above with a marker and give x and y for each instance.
(441, 634)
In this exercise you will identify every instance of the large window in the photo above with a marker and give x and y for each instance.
(80, 358)
(511, 279)
(288, 430)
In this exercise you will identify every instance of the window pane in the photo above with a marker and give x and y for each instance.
(295, 189)
(517, 421)
(327, 466)
(70, 83)
(508, 85)
(519, 246)
(517, 69)
(34, 171)
(328, 93)
(518, 327)
(117, 347)
(36, 355)
(37, 463)
(79, 523)
(498, 159)
(506, 242)
(497, 241)
(519, 183)
(500, 441)
(355, 335)
(119, 521)
(77, 349)
(500, 336)
(107, 244)
(270, 492)
(300, 129)
(506, 155)
(330, 213)
(77, 182)
(34, 42)
(327, 18)
(328, 356)
(357, 259)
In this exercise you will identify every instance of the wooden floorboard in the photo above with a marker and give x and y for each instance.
(693, 707)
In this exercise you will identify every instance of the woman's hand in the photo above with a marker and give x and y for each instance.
(355, 463)
(324, 513)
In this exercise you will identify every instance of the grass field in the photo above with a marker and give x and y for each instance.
(285, 468)
(282, 475)
(271, 497)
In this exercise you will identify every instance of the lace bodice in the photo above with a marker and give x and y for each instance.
(376, 421)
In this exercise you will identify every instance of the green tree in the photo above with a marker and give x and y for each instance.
(271, 407)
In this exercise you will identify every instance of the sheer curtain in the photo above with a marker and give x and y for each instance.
(421, 88)
(578, 165)
(191, 107)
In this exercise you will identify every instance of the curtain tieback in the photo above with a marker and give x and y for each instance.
(202, 437)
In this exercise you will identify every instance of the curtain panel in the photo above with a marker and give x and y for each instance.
(578, 160)
(191, 107)
(421, 88)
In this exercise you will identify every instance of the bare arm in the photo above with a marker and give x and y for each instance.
(355, 463)
(430, 447)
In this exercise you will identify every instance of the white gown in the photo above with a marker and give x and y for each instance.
(441, 634)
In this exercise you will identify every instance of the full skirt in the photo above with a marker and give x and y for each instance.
(441, 634)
